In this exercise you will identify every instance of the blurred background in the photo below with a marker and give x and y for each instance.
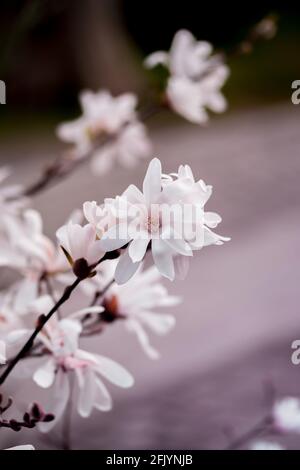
(240, 310)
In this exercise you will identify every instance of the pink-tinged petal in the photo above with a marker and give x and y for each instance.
(163, 259)
(135, 327)
(60, 394)
(125, 268)
(86, 393)
(103, 401)
(152, 182)
(137, 248)
(45, 375)
(113, 372)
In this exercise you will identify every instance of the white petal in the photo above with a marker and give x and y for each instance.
(115, 237)
(113, 372)
(45, 375)
(103, 401)
(86, 393)
(60, 394)
(159, 57)
(163, 259)
(125, 268)
(22, 447)
(152, 181)
(143, 339)
(137, 248)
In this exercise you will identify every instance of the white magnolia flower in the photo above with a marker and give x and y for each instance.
(286, 414)
(168, 217)
(22, 447)
(196, 77)
(2, 352)
(266, 445)
(30, 252)
(129, 146)
(135, 303)
(80, 243)
(102, 114)
(60, 339)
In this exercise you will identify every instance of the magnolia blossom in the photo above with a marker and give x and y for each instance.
(106, 116)
(2, 352)
(286, 414)
(30, 252)
(168, 218)
(196, 77)
(102, 114)
(135, 303)
(266, 445)
(60, 340)
(129, 146)
(80, 243)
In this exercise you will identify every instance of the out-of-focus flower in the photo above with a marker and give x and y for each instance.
(102, 114)
(80, 243)
(22, 447)
(2, 352)
(286, 415)
(266, 445)
(30, 252)
(60, 339)
(168, 217)
(129, 146)
(196, 77)
(135, 303)
(11, 202)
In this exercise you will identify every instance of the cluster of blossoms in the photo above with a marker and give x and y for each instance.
(110, 128)
(103, 247)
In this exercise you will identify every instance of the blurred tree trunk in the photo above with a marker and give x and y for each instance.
(105, 56)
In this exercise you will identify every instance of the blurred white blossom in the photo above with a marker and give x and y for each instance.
(266, 445)
(286, 414)
(106, 116)
(131, 145)
(196, 77)
(22, 447)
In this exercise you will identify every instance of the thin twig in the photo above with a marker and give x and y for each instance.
(258, 429)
